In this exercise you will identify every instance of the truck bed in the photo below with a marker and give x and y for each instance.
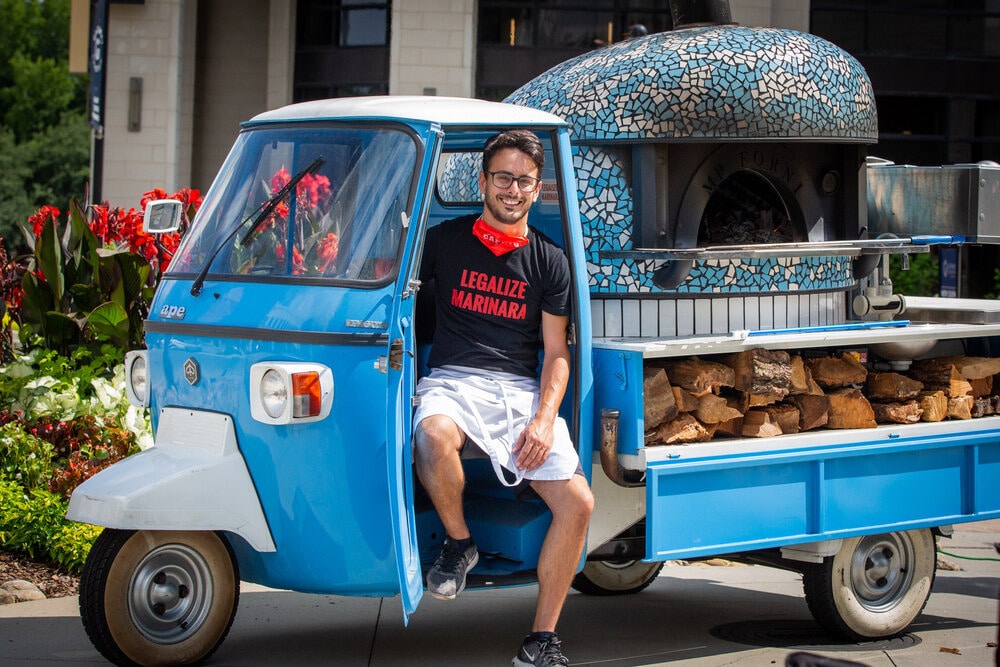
(729, 495)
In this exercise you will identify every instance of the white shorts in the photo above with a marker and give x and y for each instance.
(492, 409)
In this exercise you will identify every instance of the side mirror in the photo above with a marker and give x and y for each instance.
(162, 216)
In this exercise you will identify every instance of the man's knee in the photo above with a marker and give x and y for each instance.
(573, 501)
(584, 497)
(437, 435)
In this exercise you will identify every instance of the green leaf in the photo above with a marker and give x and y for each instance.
(110, 321)
(48, 254)
(60, 331)
(37, 299)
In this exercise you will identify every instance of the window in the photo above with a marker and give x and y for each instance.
(932, 64)
(520, 39)
(342, 49)
(344, 23)
(344, 219)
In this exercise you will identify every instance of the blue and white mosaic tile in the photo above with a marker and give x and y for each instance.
(719, 83)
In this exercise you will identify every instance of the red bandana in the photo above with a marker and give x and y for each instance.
(498, 242)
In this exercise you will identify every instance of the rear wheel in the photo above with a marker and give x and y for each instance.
(875, 586)
(606, 577)
(158, 597)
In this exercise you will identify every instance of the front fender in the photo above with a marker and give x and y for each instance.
(194, 478)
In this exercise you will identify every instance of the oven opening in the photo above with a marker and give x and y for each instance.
(748, 208)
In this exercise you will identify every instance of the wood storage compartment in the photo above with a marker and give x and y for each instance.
(760, 393)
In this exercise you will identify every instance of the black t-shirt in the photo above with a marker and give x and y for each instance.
(489, 308)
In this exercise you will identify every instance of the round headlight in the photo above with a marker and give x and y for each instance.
(273, 394)
(139, 378)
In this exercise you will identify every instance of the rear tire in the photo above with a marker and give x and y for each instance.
(158, 597)
(600, 577)
(875, 586)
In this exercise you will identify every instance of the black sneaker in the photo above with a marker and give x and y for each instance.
(535, 653)
(446, 579)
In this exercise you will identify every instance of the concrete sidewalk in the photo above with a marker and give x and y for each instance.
(696, 615)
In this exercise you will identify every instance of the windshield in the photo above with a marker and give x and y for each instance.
(344, 221)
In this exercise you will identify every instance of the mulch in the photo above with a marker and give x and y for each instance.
(51, 580)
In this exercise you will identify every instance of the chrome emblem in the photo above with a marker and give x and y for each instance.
(192, 373)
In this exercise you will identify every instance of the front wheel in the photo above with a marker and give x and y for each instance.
(875, 586)
(158, 597)
(606, 577)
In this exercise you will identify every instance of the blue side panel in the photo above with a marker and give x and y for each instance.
(704, 511)
(731, 502)
(891, 488)
(987, 493)
(618, 385)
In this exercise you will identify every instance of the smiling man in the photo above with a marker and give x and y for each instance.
(502, 294)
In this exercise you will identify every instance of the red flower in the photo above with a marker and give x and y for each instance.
(326, 251)
(313, 189)
(152, 195)
(41, 216)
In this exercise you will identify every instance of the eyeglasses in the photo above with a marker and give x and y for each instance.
(503, 179)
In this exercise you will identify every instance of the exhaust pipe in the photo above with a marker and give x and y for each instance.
(609, 452)
(691, 13)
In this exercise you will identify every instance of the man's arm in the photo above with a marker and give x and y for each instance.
(535, 441)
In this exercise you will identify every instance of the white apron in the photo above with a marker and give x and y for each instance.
(492, 408)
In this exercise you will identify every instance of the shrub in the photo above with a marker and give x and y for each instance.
(91, 279)
(24, 458)
(44, 383)
(921, 279)
(84, 447)
(33, 522)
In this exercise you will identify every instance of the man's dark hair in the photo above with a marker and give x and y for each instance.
(523, 140)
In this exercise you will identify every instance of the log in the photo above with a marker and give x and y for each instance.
(943, 377)
(731, 427)
(960, 407)
(981, 407)
(814, 410)
(934, 405)
(897, 413)
(801, 381)
(700, 377)
(659, 404)
(850, 409)
(757, 400)
(713, 409)
(970, 368)
(685, 400)
(982, 387)
(683, 429)
(891, 387)
(757, 423)
(761, 372)
(785, 416)
(835, 372)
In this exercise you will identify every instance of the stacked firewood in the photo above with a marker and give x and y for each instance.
(760, 393)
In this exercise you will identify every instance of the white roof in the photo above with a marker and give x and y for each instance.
(431, 109)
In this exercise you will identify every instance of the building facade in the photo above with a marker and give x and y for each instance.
(200, 68)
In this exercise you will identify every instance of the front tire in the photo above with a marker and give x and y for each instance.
(599, 577)
(875, 586)
(158, 597)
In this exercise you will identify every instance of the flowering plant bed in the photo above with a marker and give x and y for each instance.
(70, 308)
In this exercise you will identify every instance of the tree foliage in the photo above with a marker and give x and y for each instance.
(44, 138)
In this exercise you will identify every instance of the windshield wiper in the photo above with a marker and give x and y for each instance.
(258, 217)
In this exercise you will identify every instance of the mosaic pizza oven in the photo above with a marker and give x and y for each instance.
(723, 139)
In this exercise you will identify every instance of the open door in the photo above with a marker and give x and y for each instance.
(401, 370)
(401, 377)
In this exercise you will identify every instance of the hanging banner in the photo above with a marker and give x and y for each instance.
(98, 62)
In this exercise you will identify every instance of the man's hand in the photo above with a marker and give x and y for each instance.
(534, 444)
